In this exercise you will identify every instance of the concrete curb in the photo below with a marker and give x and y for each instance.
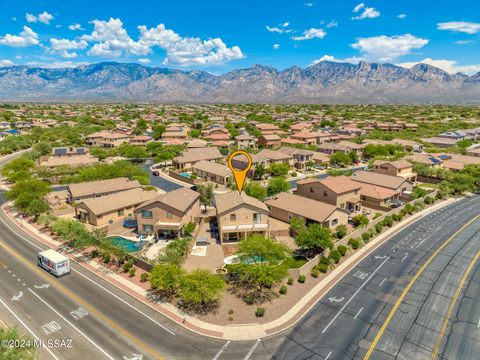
(247, 331)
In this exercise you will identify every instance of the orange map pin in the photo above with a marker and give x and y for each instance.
(240, 174)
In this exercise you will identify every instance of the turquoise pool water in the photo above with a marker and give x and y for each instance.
(187, 175)
(127, 245)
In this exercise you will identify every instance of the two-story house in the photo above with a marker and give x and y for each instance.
(245, 141)
(339, 191)
(240, 215)
(402, 168)
(166, 215)
(301, 156)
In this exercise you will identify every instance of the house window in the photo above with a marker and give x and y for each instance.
(146, 214)
(311, 190)
(147, 228)
(342, 205)
(334, 222)
(257, 218)
(169, 214)
(325, 193)
(233, 217)
(120, 212)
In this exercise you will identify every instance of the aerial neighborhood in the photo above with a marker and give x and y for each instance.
(144, 189)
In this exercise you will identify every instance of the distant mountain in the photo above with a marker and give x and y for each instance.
(325, 82)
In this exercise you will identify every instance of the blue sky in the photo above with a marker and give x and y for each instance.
(218, 36)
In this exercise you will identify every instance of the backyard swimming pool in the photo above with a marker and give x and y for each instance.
(127, 245)
(185, 175)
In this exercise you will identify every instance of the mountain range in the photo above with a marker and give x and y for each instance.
(325, 82)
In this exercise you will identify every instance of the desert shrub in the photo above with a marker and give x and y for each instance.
(378, 228)
(324, 260)
(144, 277)
(290, 281)
(283, 290)
(342, 249)
(315, 273)
(260, 312)
(132, 272)
(249, 299)
(301, 279)
(355, 243)
(323, 268)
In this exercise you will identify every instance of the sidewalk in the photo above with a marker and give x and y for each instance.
(233, 332)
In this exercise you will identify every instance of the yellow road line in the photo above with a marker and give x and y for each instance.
(452, 305)
(407, 289)
(83, 302)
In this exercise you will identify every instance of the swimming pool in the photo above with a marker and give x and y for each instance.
(234, 259)
(127, 245)
(185, 175)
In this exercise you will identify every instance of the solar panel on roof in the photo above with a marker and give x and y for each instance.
(434, 161)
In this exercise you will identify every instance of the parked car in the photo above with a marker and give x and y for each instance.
(397, 203)
(155, 173)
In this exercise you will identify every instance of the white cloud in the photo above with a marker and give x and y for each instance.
(68, 55)
(278, 29)
(66, 44)
(352, 60)
(57, 64)
(463, 42)
(144, 61)
(332, 23)
(358, 7)
(460, 26)
(402, 16)
(311, 33)
(276, 46)
(285, 24)
(4, 63)
(74, 27)
(44, 17)
(449, 66)
(113, 40)
(185, 51)
(27, 37)
(388, 48)
(367, 13)
(309, 4)
(14, 18)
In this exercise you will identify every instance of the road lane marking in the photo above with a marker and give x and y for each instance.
(406, 255)
(51, 327)
(79, 313)
(410, 284)
(252, 350)
(78, 299)
(381, 283)
(355, 294)
(358, 313)
(17, 297)
(26, 327)
(452, 306)
(478, 325)
(71, 324)
(221, 350)
(328, 355)
(97, 284)
(332, 299)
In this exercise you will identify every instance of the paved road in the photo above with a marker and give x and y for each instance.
(345, 322)
(159, 181)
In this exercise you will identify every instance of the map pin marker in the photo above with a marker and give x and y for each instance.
(240, 174)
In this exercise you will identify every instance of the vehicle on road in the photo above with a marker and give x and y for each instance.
(54, 262)
(155, 173)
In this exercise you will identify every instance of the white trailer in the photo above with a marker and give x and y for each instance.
(54, 262)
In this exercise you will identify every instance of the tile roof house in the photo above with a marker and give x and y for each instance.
(212, 171)
(99, 188)
(301, 156)
(377, 197)
(396, 183)
(106, 139)
(166, 215)
(269, 141)
(112, 207)
(245, 141)
(240, 215)
(402, 168)
(339, 191)
(286, 206)
(192, 156)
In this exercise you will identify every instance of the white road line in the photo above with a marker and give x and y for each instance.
(328, 355)
(94, 282)
(381, 283)
(72, 325)
(354, 294)
(26, 327)
(406, 255)
(358, 313)
(221, 350)
(252, 350)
